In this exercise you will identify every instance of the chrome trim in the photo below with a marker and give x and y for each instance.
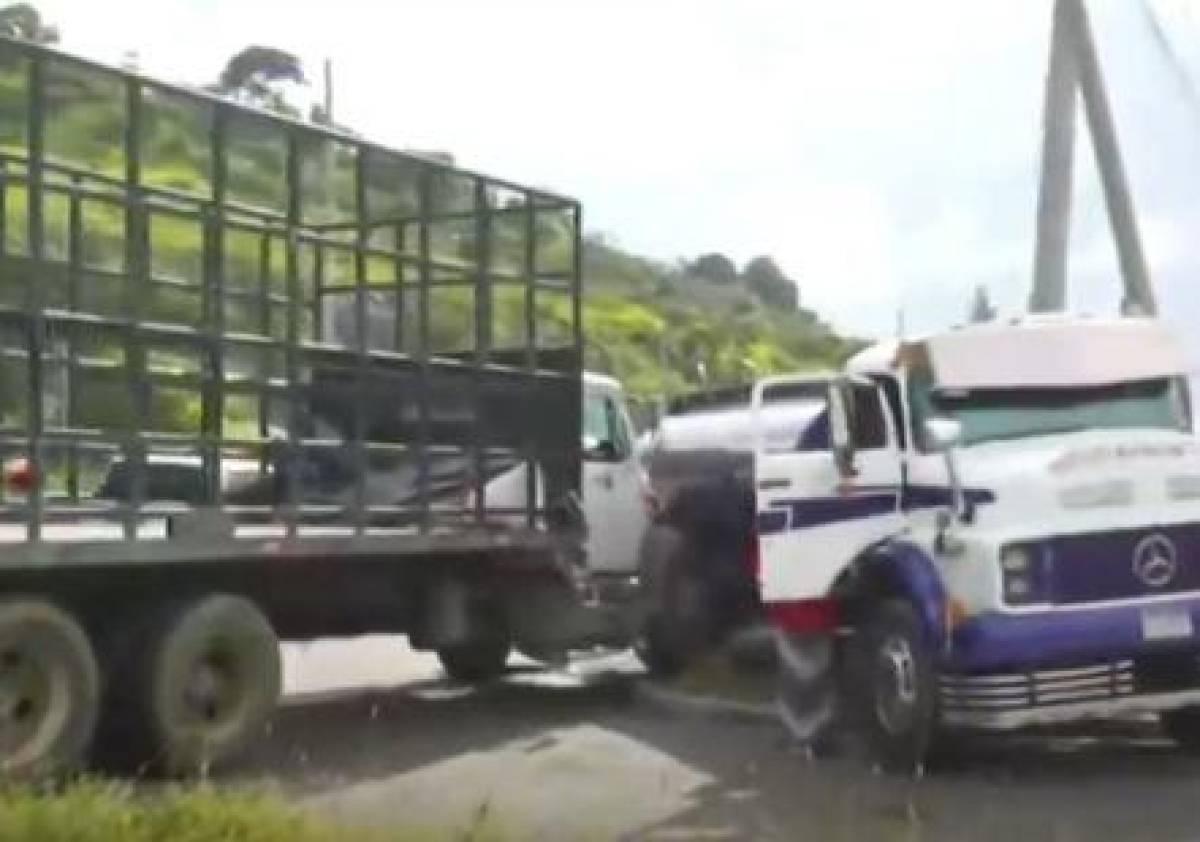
(1008, 720)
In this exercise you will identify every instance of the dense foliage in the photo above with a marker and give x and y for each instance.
(664, 328)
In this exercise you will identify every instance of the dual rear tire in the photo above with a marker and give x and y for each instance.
(191, 686)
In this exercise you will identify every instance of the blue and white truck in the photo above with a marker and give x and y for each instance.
(1003, 531)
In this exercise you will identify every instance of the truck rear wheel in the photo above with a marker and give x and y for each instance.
(49, 690)
(675, 622)
(198, 685)
(893, 686)
(484, 654)
(476, 660)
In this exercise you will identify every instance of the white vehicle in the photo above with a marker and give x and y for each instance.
(696, 570)
(1004, 531)
(614, 485)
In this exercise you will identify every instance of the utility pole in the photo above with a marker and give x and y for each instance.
(328, 104)
(1074, 68)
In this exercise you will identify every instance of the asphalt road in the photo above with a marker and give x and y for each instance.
(581, 756)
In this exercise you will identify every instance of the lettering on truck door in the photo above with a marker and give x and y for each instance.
(834, 493)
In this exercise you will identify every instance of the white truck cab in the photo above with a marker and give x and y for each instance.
(1002, 528)
(613, 486)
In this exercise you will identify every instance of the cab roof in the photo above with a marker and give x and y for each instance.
(1036, 351)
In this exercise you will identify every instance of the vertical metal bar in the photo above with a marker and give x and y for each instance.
(137, 264)
(3, 209)
(264, 329)
(424, 390)
(483, 343)
(361, 325)
(35, 324)
(531, 354)
(319, 290)
(292, 344)
(212, 295)
(1049, 293)
(399, 308)
(1138, 293)
(575, 476)
(74, 273)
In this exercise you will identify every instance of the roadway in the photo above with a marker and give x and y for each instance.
(372, 735)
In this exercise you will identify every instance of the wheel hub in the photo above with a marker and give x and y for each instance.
(211, 692)
(895, 684)
(24, 699)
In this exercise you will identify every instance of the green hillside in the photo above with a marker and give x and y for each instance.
(663, 328)
(660, 328)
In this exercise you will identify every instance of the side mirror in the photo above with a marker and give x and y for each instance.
(942, 434)
(840, 404)
(597, 450)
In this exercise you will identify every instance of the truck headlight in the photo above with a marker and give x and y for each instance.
(1015, 560)
(1021, 574)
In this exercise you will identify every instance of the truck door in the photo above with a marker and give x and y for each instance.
(828, 496)
(612, 483)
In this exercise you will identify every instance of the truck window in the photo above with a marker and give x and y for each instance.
(867, 423)
(1000, 414)
(605, 423)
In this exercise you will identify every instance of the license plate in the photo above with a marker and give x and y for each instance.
(1166, 622)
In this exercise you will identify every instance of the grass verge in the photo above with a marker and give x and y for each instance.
(106, 812)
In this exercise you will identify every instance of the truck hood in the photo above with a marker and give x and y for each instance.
(1130, 476)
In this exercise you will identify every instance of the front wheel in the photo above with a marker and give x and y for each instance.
(1183, 726)
(476, 660)
(894, 687)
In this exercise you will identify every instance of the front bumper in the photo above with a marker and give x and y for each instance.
(1009, 701)
(1056, 637)
(1006, 671)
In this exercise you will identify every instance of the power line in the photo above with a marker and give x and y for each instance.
(1175, 63)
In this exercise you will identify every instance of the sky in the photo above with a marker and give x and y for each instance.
(885, 153)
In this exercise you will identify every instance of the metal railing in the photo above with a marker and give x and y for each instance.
(335, 336)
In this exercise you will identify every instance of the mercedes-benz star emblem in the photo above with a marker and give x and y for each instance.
(1154, 560)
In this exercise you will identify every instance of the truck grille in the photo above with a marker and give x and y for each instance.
(1018, 691)
(1100, 565)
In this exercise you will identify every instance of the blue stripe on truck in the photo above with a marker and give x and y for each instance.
(858, 502)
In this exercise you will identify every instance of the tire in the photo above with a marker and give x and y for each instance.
(195, 686)
(806, 687)
(49, 691)
(675, 623)
(476, 661)
(484, 655)
(892, 687)
(1183, 726)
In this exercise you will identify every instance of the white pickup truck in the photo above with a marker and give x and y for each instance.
(1004, 530)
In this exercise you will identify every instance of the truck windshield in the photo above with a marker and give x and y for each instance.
(999, 414)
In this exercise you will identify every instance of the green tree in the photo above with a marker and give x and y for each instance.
(714, 267)
(22, 20)
(255, 76)
(765, 279)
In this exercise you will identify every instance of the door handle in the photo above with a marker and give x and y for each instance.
(605, 481)
(774, 484)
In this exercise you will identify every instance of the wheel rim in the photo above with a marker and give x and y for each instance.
(32, 686)
(896, 691)
(213, 691)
